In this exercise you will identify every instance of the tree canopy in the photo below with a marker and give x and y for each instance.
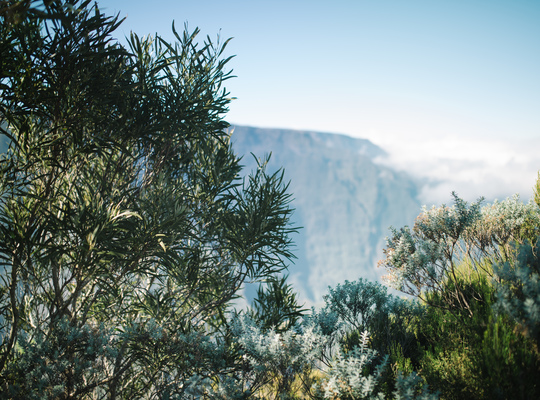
(125, 229)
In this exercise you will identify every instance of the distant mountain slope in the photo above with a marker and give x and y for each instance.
(344, 201)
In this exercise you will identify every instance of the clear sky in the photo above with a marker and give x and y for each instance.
(450, 88)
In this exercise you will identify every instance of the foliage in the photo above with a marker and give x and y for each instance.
(422, 258)
(303, 363)
(276, 306)
(358, 303)
(348, 377)
(367, 306)
(279, 358)
(536, 190)
(126, 235)
(451, 340)
(483, 356)
(475, 270)
(125, 230)
(519, 290)
(308, 361)
(449, 244)
(45, 366)
(509, 363)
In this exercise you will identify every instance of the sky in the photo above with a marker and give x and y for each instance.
(450, 89)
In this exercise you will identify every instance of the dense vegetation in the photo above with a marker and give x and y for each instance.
(476, 270)
(126, 234)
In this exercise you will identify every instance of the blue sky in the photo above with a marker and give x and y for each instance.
(450, 88)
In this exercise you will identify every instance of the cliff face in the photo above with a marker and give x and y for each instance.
(344, 201)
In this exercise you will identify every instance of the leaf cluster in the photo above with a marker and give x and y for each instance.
(475, 269)
(122, 209)
(449, 245)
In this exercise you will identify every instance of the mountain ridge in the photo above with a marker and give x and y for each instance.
(344, 200)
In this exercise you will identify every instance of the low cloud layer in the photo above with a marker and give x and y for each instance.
(494, 169)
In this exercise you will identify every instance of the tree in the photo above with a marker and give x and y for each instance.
(363, 306)
(347, 377)
(476, 270)
(358, 303)
(449, 247)
(125, 230)
(518, 293)
(304, 362)
(276, 306)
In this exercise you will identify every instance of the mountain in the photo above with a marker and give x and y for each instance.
(344, 201)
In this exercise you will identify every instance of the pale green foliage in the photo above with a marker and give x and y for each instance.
(278, 358)
(44, 362)
(458, 259)
(502, 224)
(358, 303)
(291, 349)
(518, 293)
(283, 365)
(413, 262)
(449, 244)
(347, 378)
(411, 386)
(363, 305)
(536, 191)
(327, 320)
(421, 258)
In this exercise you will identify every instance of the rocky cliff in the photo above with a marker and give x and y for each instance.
(345, 202)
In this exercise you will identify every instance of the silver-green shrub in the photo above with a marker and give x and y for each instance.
(450, 244)
(518, 289)
(358, 374)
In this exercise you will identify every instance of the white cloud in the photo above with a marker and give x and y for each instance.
(494, 169)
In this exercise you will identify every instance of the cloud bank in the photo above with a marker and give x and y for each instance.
(494, 169)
